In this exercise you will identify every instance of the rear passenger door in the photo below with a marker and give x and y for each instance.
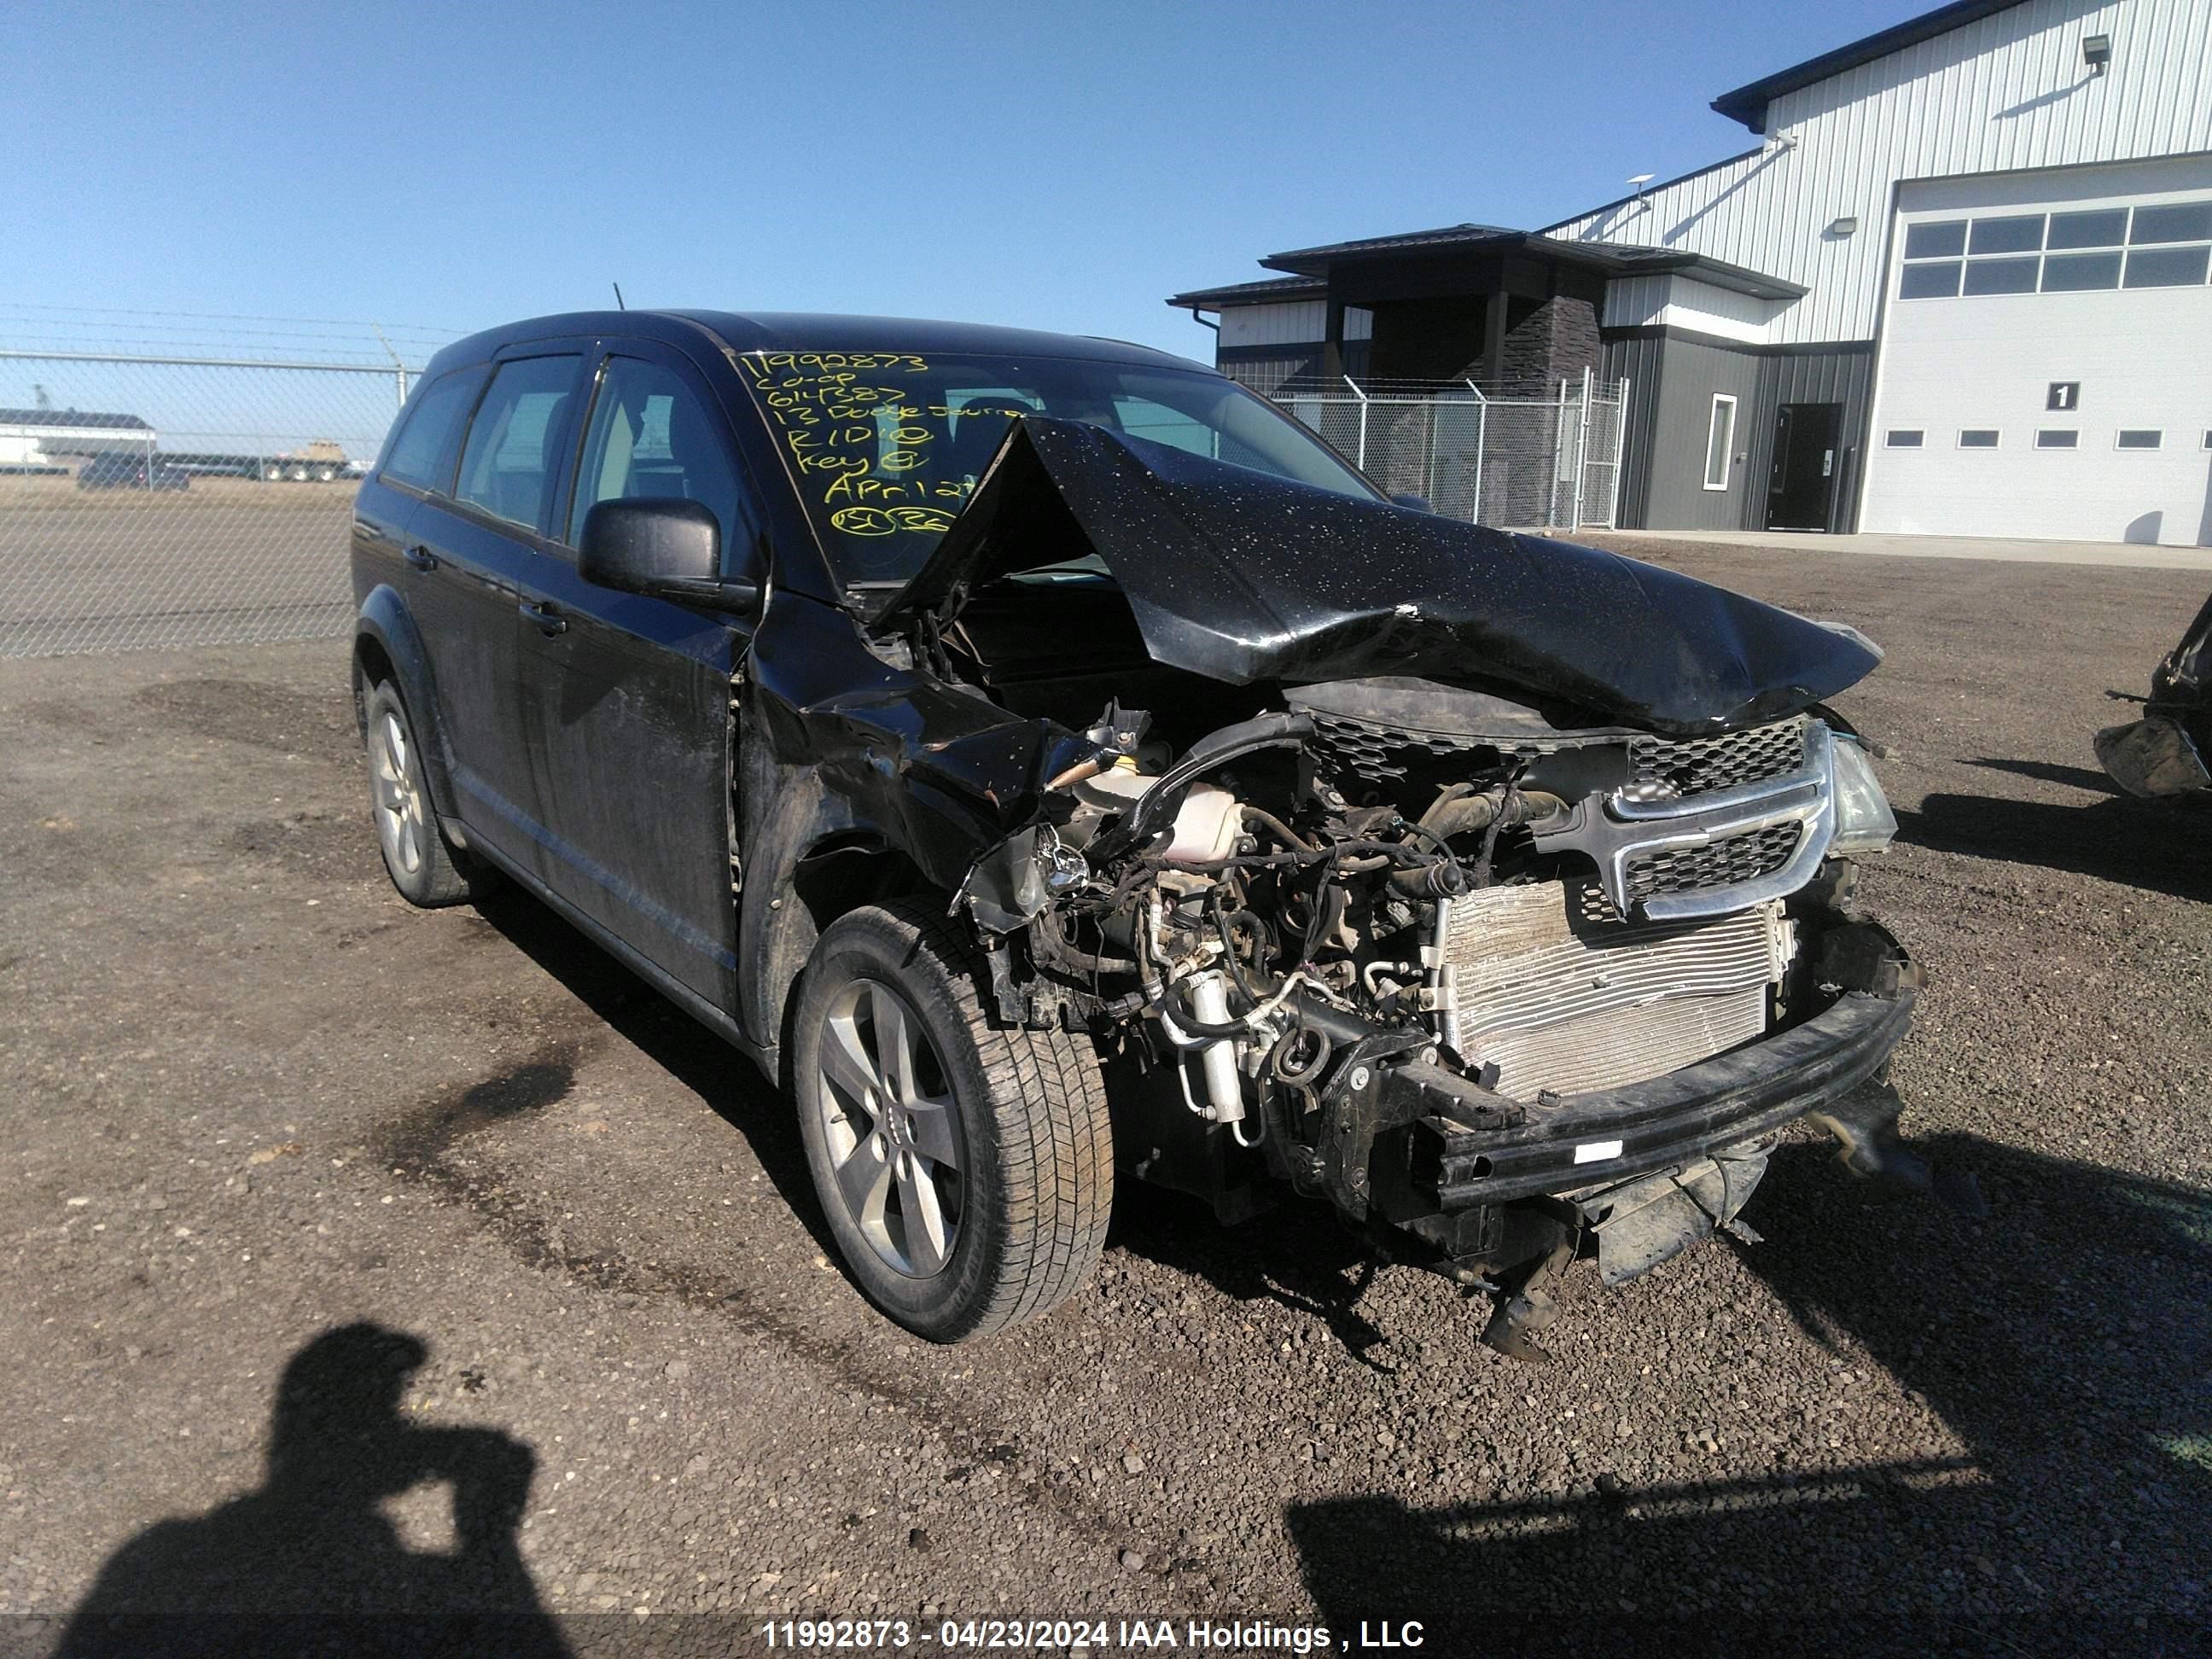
(472, 543)
(626, 698)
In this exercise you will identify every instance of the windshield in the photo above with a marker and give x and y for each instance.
(887, 446)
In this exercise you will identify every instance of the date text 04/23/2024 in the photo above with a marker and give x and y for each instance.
(1094, 1635)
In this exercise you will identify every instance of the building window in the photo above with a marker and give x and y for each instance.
(2073, 273)
(2101, 228)
(2001, 275)
(2138, 438)
(2166, 245)
(1938, 280)
(2022, 234)
(2057, 437)
(1904, 438)
(2166, 267)
(1978, 437)
(1720, 442)
(1935, 239)
(2184, 222)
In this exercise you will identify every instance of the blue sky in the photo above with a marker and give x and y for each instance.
(1061, 165)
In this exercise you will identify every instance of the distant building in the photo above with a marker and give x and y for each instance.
(57, 437)
(1962, 286)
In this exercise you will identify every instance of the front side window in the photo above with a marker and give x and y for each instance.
(1905, 438)
(2057, 437)
(886, 448)
(421, 454)
(652, 439)
(508, 467)
(1720, 441)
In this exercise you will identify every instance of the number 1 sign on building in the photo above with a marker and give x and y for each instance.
(2064, 395)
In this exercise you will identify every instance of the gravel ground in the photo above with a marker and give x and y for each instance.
(254, 1101)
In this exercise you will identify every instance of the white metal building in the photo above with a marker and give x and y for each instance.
(41, 438)
(1962, 284)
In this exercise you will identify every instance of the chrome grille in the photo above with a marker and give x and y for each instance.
(1670, 766)
(1551, 987)
(1726, 861)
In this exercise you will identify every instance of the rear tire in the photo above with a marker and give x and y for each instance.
(967, 1170)
(428, 870)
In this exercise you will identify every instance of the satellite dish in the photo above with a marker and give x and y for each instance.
(1637, 183)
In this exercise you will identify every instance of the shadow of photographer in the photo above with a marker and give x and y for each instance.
(310, 1562)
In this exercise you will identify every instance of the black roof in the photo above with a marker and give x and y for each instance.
(80, 418)
(1277, 288)
(1312, 265)
(787, 331)
(1445, 236)
(1747, 104)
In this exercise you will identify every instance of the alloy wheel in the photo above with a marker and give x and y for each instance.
(400, 823)
(891, 1129)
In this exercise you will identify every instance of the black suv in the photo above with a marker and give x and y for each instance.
(1049, 762)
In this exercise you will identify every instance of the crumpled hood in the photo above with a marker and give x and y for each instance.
(1240, 576)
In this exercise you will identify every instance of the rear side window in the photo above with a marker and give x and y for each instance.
(422, 452)
(508, 467)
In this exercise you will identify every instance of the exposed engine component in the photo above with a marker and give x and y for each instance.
(1379, 935)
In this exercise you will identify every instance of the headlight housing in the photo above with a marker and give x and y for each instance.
(1865, 823)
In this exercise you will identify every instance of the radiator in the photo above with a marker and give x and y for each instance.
(1551, 985)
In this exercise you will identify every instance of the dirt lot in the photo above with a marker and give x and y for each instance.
(227, 560)
(253, 1097)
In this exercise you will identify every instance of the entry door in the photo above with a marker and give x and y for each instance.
(626, 698)
(1808, 456)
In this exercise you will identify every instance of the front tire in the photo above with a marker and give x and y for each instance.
(967, 1170)
(426, 868)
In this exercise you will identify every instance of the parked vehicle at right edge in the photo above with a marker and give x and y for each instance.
(2163, 753)
(1056, 766)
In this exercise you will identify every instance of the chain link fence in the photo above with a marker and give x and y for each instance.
(1519, 462)
(193, 490)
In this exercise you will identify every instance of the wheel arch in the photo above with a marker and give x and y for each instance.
(387, 645)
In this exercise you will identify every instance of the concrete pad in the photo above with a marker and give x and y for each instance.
(2120, 556)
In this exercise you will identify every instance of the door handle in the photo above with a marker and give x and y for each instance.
(548, 617)
(421, 558)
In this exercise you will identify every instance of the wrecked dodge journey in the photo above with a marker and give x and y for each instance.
(1054, 766)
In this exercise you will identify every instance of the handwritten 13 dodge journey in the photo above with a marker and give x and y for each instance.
(1054, 766)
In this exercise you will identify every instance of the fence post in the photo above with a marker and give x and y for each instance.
(1581, 450)
(1362, 462)
(1559, 456)
(1481, 435)
(1620, 448)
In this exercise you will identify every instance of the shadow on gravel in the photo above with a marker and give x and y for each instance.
(2163, 846)
(1290, 1255)
(310, 1563)
(721, 1077)
(2066, 1342)
(2073, 777)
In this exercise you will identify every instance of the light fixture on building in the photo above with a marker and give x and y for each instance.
(2096, 52)
(1845, 226)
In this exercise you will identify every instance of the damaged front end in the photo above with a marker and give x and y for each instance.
(1500, 990)
(1512, 918)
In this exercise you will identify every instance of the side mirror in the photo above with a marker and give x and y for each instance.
(1418, 503)
(670, 549)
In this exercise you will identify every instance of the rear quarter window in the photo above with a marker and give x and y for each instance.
(421, 453)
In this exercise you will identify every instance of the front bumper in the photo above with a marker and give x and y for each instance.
(1600, 1138)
